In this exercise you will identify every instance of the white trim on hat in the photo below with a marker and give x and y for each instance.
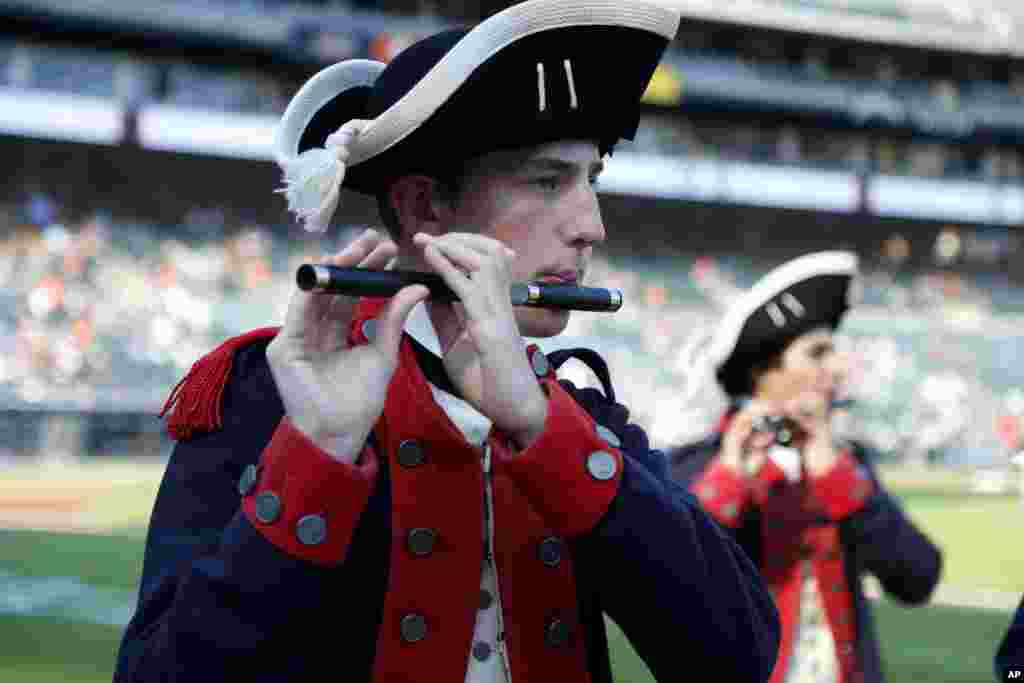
(542, 91)
(314, 94)
(776, 314)
(793, 304)
(777, 281)
(484, 41)
(573, 102)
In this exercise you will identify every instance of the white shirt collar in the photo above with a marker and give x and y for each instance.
(421, 328)
(473, 424)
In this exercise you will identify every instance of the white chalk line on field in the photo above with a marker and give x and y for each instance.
(70, 599)
(948, 595)
(65, 597)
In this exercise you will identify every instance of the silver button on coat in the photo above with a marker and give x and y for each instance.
(268, 507)
(557, 633)
(311, 530)
(540, 364)
(481, 651)
(550, 551)
(410, 454)
(420, 541)
(601, 465)
(413, 628)
(248, 480)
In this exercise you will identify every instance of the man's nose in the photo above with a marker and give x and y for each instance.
(838, 365)
(587, 226)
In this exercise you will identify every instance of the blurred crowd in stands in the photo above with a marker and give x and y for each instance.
(99, 308)
(107, 313)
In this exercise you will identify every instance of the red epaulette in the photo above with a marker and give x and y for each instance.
(197, 397)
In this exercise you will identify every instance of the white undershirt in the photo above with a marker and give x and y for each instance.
(494, 667)
(814, 649)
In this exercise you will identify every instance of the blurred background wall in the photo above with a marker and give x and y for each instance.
(139, 227)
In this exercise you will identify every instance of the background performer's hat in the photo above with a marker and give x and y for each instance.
(807, 293)
(539, 71)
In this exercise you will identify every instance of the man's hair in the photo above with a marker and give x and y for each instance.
(388, 215)
(450, 190)
(453, 181)
(737, 382)
(740, 380)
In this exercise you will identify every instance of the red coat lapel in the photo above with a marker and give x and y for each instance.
(444, 493)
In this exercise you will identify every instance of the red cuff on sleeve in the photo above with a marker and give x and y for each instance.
(843, 489)
(305, 502)
(569, 473)
(722, 492)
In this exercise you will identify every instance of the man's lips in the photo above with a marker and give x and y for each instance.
(569, 277)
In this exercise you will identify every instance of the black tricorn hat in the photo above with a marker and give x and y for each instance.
(810, 292)
(539, 71)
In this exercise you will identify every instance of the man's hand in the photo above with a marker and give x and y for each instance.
(487, 361)
(744, 449)
(333, 393)
(811, 411)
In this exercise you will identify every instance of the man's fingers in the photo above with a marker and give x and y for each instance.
(378, 258)
(357, 250)
(463, 257)
(478, 242)
(301, 306)
(453, 272)
(760, 440)
(485, 246)
(392, 320)
(320, 320)
(322, 316)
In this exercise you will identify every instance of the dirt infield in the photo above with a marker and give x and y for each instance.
(106, 495)
(78, 497)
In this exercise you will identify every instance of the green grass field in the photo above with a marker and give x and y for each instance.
(976, 535)
(48, 644)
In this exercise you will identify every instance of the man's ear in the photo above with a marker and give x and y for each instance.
(418, 204)
(760, 370)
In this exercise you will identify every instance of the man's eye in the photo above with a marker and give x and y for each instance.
(820, 352)
(549, 183)
(595, 181)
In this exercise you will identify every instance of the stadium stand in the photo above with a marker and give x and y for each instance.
(107, 315)
(122, 259)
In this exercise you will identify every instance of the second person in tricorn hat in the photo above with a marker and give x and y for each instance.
(397, 490)
(807, 507)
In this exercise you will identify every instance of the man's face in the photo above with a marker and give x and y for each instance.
(542, 203)
(810, 364)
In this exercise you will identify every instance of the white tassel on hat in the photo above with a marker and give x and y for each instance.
(313, 179)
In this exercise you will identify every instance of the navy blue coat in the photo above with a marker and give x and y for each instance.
(219, 602)
(878, 539)
(1010, 655)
